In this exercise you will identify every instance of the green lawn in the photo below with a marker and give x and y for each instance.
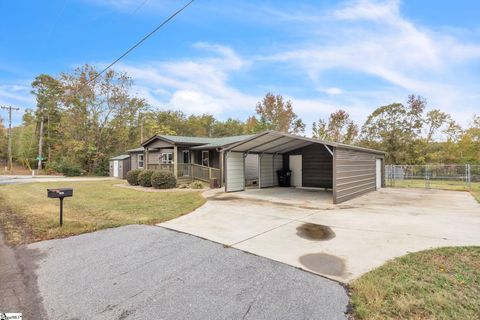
(437, 184)
(27, 215)
(440, 283)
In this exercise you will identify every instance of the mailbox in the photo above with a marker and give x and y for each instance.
(60, 193)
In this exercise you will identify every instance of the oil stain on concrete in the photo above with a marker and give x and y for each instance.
(324, 263)
(313, 231)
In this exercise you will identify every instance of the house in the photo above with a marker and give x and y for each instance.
(186, 157)
(253, 160)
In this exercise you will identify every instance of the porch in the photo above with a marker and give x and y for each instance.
(190, 171)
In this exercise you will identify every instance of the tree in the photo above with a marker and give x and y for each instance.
(276, 114)
(48, 92)
(395, 128)
(96, 107)
(340, 128)
(3, 141)
(435, 119)
(230, 127)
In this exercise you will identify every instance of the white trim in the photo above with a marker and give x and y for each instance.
(138, 161)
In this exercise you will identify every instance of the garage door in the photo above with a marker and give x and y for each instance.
(234, 175)
(269, 164)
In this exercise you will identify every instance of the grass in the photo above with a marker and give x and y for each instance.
(27, 215)
(440, 283)
(443, 185)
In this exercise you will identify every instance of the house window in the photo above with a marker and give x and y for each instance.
(167, 158)
(140, 161)
(206, 158)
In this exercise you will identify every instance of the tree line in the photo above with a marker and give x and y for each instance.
(83, 118)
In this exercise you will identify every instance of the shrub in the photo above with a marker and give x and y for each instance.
(145, 178)
(132, 177)
(196, 185)
(163, 180)
(102, 168)
(69, 169)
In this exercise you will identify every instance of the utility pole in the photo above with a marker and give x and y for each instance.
(10, 108)
(40, 147)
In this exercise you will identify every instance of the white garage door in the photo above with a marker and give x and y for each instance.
(269, 164)
(235, 175)
(378, 167)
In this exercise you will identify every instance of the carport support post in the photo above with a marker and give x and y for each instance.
(222, 167)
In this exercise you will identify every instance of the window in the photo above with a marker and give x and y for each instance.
(167, 158)
(206, 158)
(140, 161)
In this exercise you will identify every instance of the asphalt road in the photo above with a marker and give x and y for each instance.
(148, 272)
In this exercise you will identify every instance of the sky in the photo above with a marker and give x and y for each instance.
(221, 57)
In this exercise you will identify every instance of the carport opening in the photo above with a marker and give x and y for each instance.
(311, 167)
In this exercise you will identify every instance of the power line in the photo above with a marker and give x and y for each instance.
(141, 41)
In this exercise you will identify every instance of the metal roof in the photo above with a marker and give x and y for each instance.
(201, 142)
(141, 149)
(279, 142)
(221, 142)
(121, 157)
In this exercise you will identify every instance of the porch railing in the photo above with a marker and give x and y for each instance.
(161, 166)
(194, 171)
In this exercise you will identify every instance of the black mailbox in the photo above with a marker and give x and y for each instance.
(60, 193)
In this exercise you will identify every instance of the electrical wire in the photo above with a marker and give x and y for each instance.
(141, 41)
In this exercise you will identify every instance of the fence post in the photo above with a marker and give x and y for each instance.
(427, 178)
(209, 173)
(469, 177)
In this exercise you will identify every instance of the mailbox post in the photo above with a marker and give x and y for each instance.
(60, 193)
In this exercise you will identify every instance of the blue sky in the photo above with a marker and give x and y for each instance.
(221, 57)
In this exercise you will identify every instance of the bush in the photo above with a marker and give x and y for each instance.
(145, 178)
(69, 169)
(163, 180)
(132, 177)
(102, 168)
(196, 185)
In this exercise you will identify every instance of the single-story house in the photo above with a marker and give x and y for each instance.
(253, 160)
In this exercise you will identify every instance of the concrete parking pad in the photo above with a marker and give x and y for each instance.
(340, 242)
(148, 272)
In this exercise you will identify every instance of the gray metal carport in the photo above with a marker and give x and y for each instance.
(349, 171)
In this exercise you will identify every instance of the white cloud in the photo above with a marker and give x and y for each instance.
(373, 38)
(331, 91)
(196, 86)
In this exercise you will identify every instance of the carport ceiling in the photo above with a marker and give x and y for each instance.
(272, 142)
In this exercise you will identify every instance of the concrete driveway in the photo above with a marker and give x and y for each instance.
(148, 272)
(340, 242)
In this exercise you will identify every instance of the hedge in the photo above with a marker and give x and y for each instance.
(163, 180)
(132, 177)
(145, 178)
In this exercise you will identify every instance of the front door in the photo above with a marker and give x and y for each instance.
(186, 159)
(115, 168)
(296, 168)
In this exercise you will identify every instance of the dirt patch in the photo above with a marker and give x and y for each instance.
(313, 231)
(18, 281)
(324, 263)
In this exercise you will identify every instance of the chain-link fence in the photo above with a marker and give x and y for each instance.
(438, 176)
